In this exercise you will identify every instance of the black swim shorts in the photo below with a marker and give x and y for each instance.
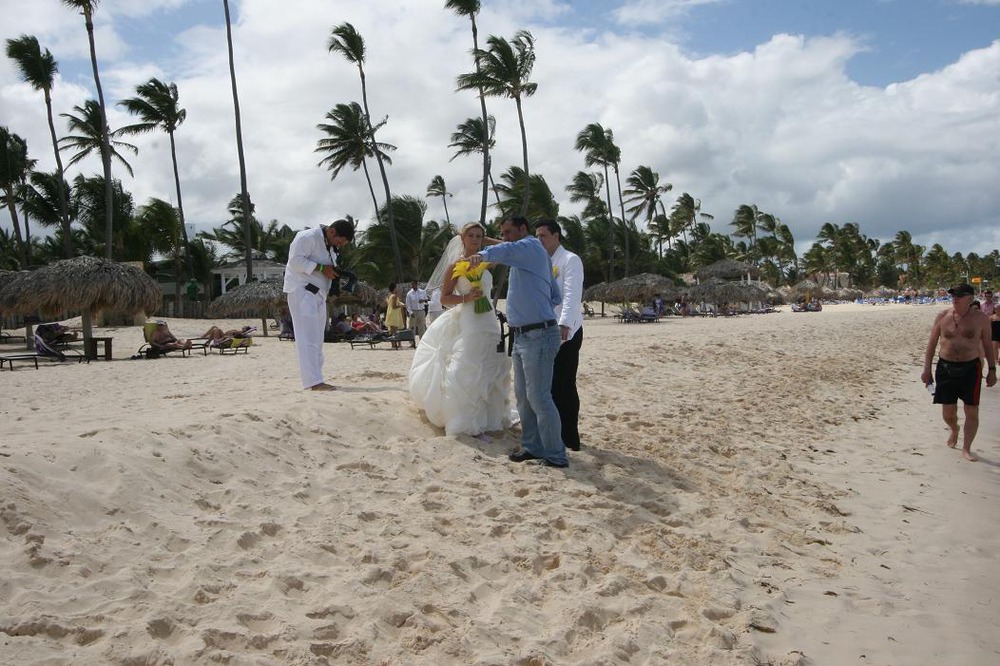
(958, 380)
(995, 330)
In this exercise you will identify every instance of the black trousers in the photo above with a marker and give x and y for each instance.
(564, 389)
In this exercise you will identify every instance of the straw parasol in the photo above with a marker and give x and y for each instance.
(267, 295)
(727, 269)
(810, 288)
(363, 294)
(638, 288)
(717, 291)
(262, 295)
(87, 284)
(595, 292)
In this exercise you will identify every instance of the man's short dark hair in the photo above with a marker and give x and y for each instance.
(520, 221)
(344, 229)
(551, 225)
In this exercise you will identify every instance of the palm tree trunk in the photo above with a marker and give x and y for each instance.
(397, 260)
(109, 217)
(621, 204)
(447, 217)
(486, 125)
(180, 205)
(12, 209)
(611, 228)
(493, 186)
(239, 148)
(61, 183)
(368, 177)
(524, 150)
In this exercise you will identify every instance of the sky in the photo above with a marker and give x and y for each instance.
(883, 113)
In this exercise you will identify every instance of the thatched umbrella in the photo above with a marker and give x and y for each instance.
(86, 284)
(639, 288)
(363, 294)
(809, 288)
(727, 269)
(595, 292)
(7, 278)
(717, 291)
(267, 295)
(262, 295)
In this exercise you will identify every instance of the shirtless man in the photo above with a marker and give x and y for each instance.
(964, 334)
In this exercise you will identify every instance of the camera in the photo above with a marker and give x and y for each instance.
(350, 285)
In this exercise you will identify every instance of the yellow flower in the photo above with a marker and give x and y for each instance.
(464, 269)
(474, 276)
(555, 271)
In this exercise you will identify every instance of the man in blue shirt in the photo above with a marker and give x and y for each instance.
(531, 297)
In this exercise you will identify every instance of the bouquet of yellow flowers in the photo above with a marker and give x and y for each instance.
(475, 277)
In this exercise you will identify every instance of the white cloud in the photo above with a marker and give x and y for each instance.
(781, 126)
(648, 12)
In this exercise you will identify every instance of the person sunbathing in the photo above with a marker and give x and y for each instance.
(363, 326)
(216, 334)
(164, 340)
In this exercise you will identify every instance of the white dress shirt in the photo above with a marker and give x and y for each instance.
(567, 268)
(415, 299)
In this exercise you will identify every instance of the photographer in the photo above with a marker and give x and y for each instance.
(312, 262)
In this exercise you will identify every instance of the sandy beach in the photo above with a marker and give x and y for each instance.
(766, 489)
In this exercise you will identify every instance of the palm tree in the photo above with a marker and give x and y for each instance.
(475, 136)
(470, 8)
(908, 253)
(39, 70)
(349, 142)
(685, 213)
(437, 188)
(347, 41)
(598, 148)
(244, 194)
(513, 185)
(90, 137)
(586, 187)
(86, 8)
(644, 193)
(155, 229)
(421, 244)
(157, 105)
(14, 168)
(40, 199)
(745, 219)
(503, 71)
(88, 198)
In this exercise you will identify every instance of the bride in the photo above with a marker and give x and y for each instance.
(458, 378)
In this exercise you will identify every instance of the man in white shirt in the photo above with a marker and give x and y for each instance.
(567, 268)
(312, 261)
(415, 299)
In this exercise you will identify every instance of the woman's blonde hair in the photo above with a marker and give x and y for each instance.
(466, 227)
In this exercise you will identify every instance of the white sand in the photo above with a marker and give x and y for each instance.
(764, 489)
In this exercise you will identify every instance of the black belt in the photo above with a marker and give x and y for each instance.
(531, 327)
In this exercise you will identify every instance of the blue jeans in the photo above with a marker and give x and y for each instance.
(533, 357)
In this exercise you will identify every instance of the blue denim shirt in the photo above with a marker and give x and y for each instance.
(533, 291)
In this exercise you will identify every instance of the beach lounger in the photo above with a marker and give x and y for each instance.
(9, 359)
(232, 345)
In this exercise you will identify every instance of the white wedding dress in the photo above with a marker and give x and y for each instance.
(458, 378)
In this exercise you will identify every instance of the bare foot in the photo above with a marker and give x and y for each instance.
(969, 455)
(952, 440)
(322, 387)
